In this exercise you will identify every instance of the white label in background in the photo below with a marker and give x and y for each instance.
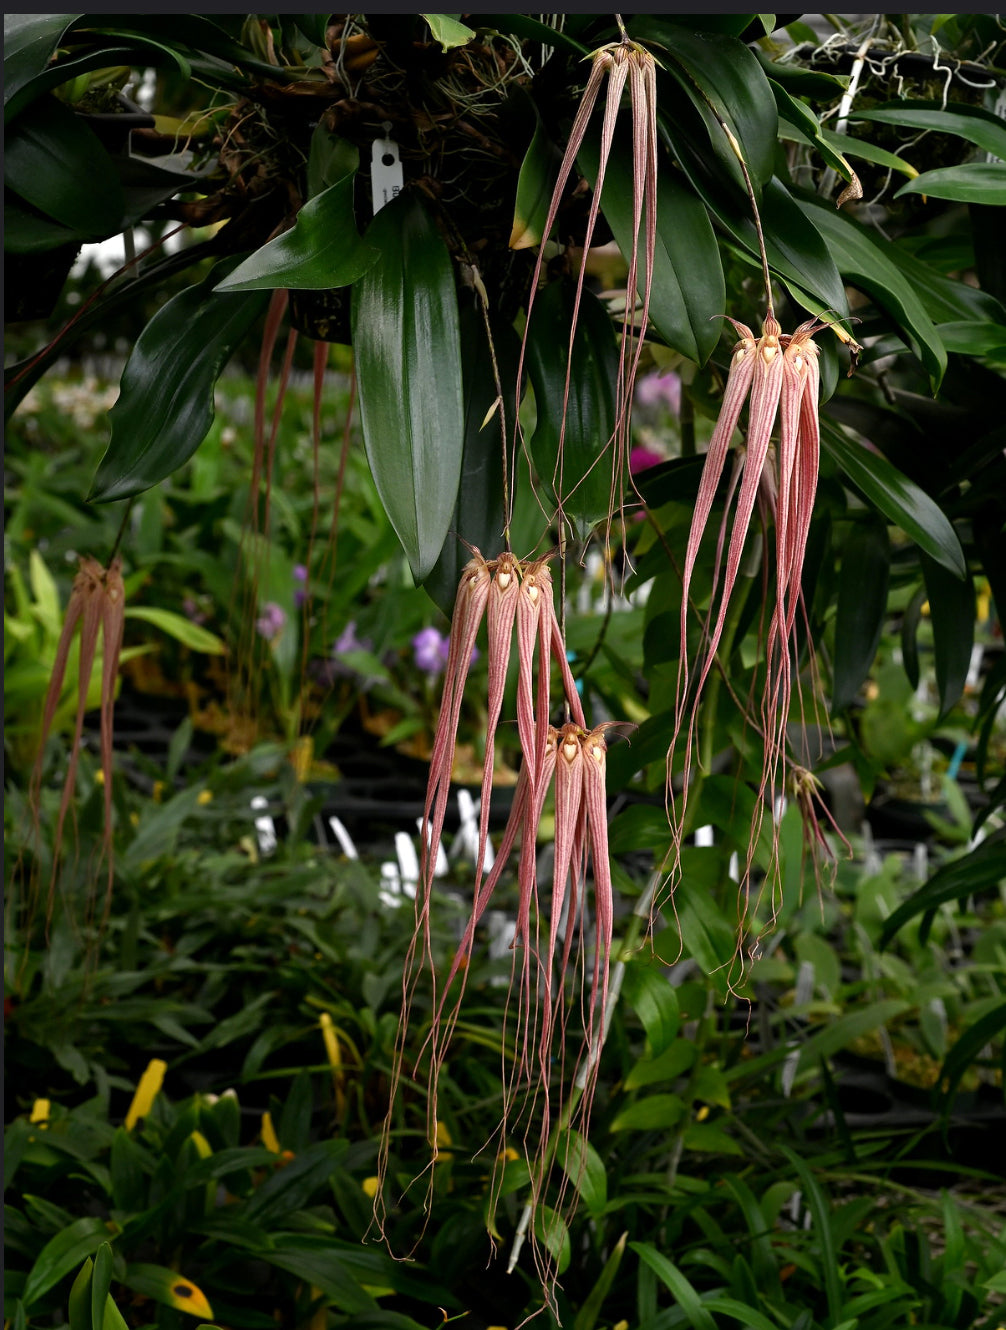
(385, 171)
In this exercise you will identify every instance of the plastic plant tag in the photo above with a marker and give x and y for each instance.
(385, 170)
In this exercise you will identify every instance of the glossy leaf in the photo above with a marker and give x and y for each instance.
(408, 366)
(61, 1254)
(29, 41)
(803, 119)
(971, 338)
(801, 82)
(865, 150)
(55, 162)
(531, 29)
(863, 262)
(974, 123)
(981, 869)
(897, 497)
(973, 182)
(448, 31)
(952, 612)
(579, 474)
(27, 231)
(478, 514)
(322, 250)
(688, 288)
(862, 606)
(654, 1112)
(655, 1002)
(728, 75)
(535, 184)
(165, 404)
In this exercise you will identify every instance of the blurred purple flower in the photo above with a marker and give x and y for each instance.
(300, 592)
(348, 641)
(641, 458)
(660, 390)
(191, 610)
(299, 572)
(430, 648)
(271, 621)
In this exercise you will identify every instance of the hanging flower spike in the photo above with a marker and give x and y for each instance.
(98, 604)
(777, 374)
(619, 63)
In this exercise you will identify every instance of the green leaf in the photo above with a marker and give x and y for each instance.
(672, 1062)
(687, 290)
(313, 26)
(655, 1111)
(817, 1204)
(478, 514)
(551, 1231)
(27, 231)
(574, 462)
(29, 41)
(841, 1032)
(408, 365)
(448, 31)
(952, 612)
(973, 182)
(864, 150)
(101, 1280)
(974, 123)
(538, 173)
(650, 994)
(808, 127)
(321, 251)
(719, 68)
(165, 405)
(55, 162)
(590, 1307)
(291, 1187)
(61, 1254)
(862, 605)
(181, 629)
(970, 338)
(696, 1314)
(897, 497)
(982, 868)
(863, 261)
(909, 636)
(967, 1048)
(583, 1166)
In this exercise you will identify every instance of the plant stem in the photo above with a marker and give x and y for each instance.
(637, 920)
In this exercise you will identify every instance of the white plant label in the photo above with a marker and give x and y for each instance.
(385, 170)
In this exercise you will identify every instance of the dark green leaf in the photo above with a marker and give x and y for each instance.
(27, 231)
(538, 173)
(909, 636)
(29, 41)
(802, 82)
(165, 404)
(590, 1308)
(651, 1113)
(803, 119)
(863, 260)
(974, 123)
(322, 250)
(101, 1280)
(61, 1254)
(817, 1204)
(532, 29)
(697, 1315)
(862, 604)
(967, 1048)
(973, 182)
(982, 868)
(583, 1166)
(967, 338)
(313, 26)
(897, 497)
(571, 445)
(952, 612)
(687, 289)
(674, 1061)
(291, 1187)
(408, 366)
(713, 67)
(55, 162)
(864, 150)
(653, 999)
(478, 515)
